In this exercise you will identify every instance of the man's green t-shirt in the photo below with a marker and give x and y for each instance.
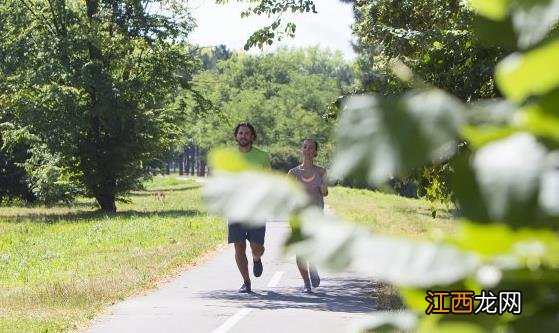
(258, 158)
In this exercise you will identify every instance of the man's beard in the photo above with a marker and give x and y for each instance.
(244, 143)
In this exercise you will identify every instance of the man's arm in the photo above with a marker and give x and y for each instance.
(268, 162)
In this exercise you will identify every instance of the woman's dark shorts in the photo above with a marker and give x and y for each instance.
(239, 232)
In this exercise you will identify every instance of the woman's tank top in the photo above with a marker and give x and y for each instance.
(312, 184)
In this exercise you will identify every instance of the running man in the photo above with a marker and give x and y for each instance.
(245, 135)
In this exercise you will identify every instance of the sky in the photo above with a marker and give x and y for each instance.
(222, 24)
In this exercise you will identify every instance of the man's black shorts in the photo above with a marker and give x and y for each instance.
(239, 232)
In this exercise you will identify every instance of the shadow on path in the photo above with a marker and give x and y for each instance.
(94, 215)
(153, 191)
(337, 295)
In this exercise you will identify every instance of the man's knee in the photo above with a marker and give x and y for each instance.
(240, 247)
(257, 249)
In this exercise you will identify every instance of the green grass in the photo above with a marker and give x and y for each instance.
(390, 214)
(59, 266)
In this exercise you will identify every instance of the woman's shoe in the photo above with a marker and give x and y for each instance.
(315, 279)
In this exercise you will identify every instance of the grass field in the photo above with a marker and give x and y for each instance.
(390, 214)
(59, 266)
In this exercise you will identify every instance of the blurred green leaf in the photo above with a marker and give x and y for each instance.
(542, 117)
(459, 326)
(523, 246)
(337, 245)
(478, 136)
(414, 298)
(296, 235)
(495, 33)
(253, 197)
(549, 185)
(532, 19)
(494, 9)
(523, 75)
(492, 112)
(387, 321)
(542, 124)
(467, 189)
(382, 137)
(502, 182)
(508, 173)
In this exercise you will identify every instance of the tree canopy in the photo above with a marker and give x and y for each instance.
(91, 79)
(284, 94)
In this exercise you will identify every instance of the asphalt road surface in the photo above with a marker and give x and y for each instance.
(205, 299)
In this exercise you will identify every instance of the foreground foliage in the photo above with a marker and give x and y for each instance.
(505, 182)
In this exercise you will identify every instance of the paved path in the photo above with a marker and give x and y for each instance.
(205, 299)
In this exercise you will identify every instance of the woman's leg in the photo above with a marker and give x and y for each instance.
(315, 278)
(304, 270)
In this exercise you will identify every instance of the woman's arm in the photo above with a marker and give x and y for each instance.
(324, 184)
(290, 174)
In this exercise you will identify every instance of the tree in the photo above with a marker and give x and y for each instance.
(92, 79)
(285, 95)
(435, 39)
(12, 174)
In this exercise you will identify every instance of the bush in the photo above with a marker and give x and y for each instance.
(284, 158)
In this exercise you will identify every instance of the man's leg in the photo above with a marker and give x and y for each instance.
(257, 250)
(241, 259)
(237, 236)
(256, 238)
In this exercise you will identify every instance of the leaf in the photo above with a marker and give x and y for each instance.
(489, 120)
(387, 321)
(331, 243)
(515, 247)
(374, 134)
(478, 136)
(495, 33)
(541, 124)
(549, 184)
(494, 9)
(542, 118)
(500, 183)
(532, 19)
(533, 22)
(508, 172)
(459, 326)
(253, 197)
(520, 76)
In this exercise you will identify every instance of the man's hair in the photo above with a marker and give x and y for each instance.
(245, 124)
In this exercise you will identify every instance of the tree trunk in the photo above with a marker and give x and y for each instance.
(201, 163)
(191, 160)
(107, 203)
(180, 161)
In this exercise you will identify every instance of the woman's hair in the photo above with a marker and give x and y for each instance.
(245, 124)
(315, 145)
